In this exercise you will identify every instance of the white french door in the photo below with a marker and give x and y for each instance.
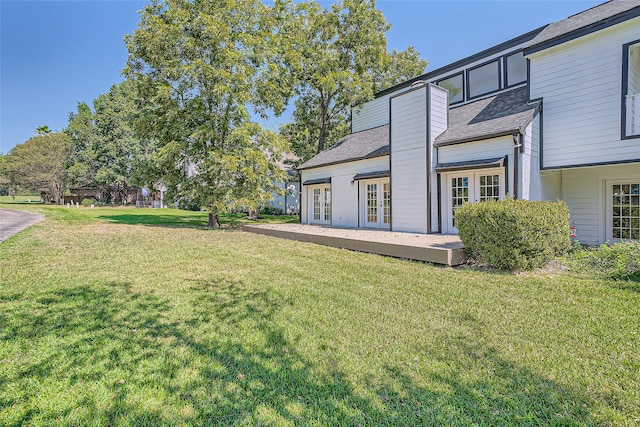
(376, 209)
(470, 186)
(320, 204)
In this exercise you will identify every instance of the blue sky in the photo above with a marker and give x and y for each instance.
(54, 54)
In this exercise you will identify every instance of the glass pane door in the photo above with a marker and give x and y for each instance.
(459, 196)
(372, 204)
(375, 207)
(326, 202)
(321, 204)
(488, 187)
(386, 203)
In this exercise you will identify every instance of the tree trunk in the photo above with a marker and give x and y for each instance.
(213, 220)
(323, 128)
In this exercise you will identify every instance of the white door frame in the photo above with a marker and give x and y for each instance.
(375, 203)
(478, 189)
(319, 204)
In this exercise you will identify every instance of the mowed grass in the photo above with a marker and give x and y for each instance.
(19, 199)
(109, 320)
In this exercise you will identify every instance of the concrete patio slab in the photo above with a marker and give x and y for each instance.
(435, 248)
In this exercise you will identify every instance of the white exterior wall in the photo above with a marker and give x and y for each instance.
(371, 114)
(344, 194)
(408, 147)
(438, 122)
(580, 82)
(497, 147)
(584, 190)
(530, 181)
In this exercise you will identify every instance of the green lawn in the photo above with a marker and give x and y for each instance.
(19, 199)
(144, 317)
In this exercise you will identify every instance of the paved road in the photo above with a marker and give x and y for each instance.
(12, 222)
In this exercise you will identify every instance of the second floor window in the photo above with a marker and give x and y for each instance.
(631, 90)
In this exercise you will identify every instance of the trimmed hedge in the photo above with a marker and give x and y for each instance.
(514, 234)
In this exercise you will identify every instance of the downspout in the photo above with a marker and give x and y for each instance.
(428, 160)
(517, 149)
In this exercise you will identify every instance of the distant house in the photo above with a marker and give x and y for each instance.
(107, 195)
(289, 202)
(552, 114)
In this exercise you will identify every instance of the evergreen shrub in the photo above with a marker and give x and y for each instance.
(514, 234)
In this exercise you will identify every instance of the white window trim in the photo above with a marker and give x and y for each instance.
(609, 206)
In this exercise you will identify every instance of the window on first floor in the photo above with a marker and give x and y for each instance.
(625, 210)
(631, 90)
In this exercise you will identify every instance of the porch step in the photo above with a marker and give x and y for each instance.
(434, 248)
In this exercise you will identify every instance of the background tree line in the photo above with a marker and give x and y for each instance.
(200, 77)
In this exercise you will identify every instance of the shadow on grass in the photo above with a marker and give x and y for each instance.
(171, 221)
(230, 221)
(108, 355)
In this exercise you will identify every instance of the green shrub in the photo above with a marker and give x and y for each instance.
(619, 261)
(87, 202)
(271, 210)
(514, 234)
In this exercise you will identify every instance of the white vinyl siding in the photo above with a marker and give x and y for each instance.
(344, 192)
(584, 190)
(371, 114)
(438, 121)
(408, 161)
(580, 83)
(530, 182)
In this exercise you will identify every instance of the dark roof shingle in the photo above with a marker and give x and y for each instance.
(499, 115)
(356, 146)
(582, 23)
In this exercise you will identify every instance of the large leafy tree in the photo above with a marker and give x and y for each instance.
(107, 153)
(339, 62)
(39, 165)
(199, 66)
(81, 167)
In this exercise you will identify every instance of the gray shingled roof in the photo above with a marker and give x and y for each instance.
(499, 115)
(601, 15)
(357, 146)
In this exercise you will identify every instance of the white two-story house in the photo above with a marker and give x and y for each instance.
(552, 114)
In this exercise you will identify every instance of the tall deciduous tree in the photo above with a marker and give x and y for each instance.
(81, 168)
(199, 65)
(340, 61)
(39, 165)
(107, 153)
